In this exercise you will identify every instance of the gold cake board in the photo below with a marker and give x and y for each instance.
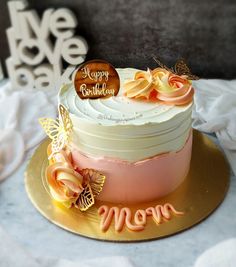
(200, 194)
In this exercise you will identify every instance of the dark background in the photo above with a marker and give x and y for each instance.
(128, 32)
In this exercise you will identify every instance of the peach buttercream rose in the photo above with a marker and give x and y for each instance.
(143, 85)
(65, 184)
(172, 88)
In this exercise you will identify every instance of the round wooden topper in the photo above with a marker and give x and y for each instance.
(96, 79)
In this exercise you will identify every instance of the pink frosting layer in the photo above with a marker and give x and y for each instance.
(141, 181)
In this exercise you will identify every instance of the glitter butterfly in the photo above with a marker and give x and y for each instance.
(180, 69)
(58, 130)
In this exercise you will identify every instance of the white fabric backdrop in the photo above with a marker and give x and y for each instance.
(19, 127)
(215, 112)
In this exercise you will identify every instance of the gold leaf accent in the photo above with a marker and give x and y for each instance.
(163, 66)
(66, 121)
(86, 199)
(95, 179)
(180, 68)
(58, 130)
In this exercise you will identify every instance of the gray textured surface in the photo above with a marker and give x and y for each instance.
(128, 32)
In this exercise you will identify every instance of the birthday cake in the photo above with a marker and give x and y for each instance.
(131, 146)
(143, 148)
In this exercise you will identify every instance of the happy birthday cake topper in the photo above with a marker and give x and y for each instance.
(96, 79)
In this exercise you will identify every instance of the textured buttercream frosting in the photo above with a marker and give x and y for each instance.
(123, 128)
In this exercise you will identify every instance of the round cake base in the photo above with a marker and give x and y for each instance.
(198, 196)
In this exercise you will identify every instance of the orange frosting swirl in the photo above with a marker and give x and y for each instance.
(161, 85)
(174, 89)
(65, 184)
(143, 85)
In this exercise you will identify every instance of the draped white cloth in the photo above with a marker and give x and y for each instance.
(12, 254)
(220, 255)
(215, 112)
(19, 127)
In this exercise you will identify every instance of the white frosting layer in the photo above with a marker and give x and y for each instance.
(124, 128)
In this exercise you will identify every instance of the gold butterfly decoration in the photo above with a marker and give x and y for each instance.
(92, 183)
(95, 178)
(95, 184)
(86, 199)
(58, 130)
(180, 68)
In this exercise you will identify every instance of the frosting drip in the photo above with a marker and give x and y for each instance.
(123, 216)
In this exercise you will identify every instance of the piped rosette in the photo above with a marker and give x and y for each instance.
(69, 185)
(160, 85)
(143, 85)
